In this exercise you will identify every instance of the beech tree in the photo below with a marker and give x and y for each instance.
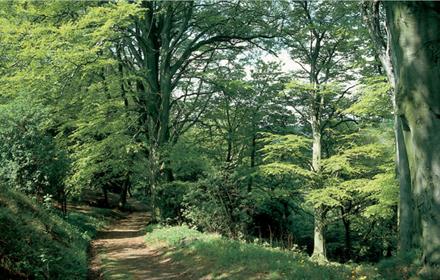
(322, 46)
(169, 39)
(415, 42)
(374, 18)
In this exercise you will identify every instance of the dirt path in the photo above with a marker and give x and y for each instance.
(120, 253)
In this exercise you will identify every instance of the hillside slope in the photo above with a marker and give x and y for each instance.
(37, 243)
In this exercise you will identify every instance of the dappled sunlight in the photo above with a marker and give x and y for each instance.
(215, 257)
(120, 253)
(214, 139)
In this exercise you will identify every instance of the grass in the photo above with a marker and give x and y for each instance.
(214, 257)
(37, 243)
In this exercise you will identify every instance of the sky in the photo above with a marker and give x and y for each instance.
(287, 64)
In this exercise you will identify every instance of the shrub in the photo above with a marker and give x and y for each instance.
(217, 205)
(31, 161)
(170, 199)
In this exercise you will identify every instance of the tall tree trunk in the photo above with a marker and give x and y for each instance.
(371, 10)
(252, 158)
(347, 235)
(406, 213)
(153, 180)
(319, 250)
(123, 196)
(319, 244)
(415, 41)
(105, 192)
(229, 149)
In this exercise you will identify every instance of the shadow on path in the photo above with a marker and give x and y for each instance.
(121, 253)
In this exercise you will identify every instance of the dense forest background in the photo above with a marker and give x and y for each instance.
(269, 122)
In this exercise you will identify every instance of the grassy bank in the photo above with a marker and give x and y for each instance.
(38, 243)
(209, 255)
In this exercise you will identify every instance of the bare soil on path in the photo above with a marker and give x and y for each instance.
(120, 252)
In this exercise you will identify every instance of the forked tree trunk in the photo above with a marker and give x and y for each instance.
(415, 41)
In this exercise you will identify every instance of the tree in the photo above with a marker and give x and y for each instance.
(64, 64)
(171, 38)
(324, 53)
(381, 39)
(31, 160)
(415, 44)
(240, 107)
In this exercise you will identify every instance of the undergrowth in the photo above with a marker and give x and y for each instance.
(38, 243)
(211, 256)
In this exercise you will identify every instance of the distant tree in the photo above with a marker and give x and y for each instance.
(320, 40)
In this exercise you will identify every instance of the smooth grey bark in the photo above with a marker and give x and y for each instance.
(406, 215)
(415, 44)
(319, 247)
(381, 42)
(319, 244)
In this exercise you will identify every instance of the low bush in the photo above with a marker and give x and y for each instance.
(170, 198)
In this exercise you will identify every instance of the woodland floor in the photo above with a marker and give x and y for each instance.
(120, 252)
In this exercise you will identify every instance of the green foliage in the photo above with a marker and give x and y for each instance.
(187, 161)
(31, 160)
(63, 61)
(384, 190)
(286, 157)
(103, 145)
(374, 99)
(219, 258)
(404, 266)
(216, 205)
(40, 244)
(170, 201)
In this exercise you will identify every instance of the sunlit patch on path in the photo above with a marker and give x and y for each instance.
(119, 252)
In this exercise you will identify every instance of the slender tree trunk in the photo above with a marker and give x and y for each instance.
(105, 192)
(63, 200)
(252, 158)
(230, 147)
(123, 197)
(347, 235)
(319, 250)
(316, 145)
(415, 41)
(406, 204)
